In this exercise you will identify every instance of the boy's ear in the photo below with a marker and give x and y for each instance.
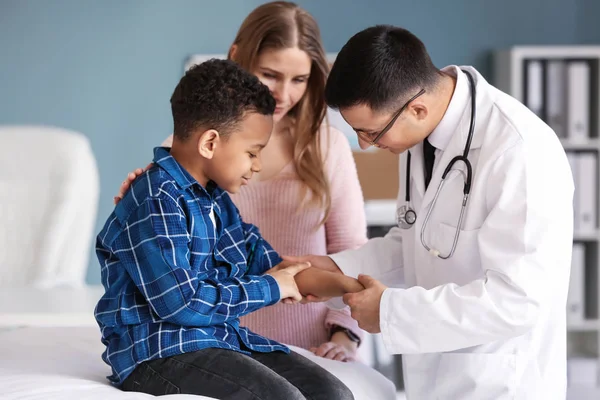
(209, 140)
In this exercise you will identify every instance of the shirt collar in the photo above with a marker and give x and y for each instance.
(165, 160)
(443, 132)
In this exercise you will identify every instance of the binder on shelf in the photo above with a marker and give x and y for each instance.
(587, 180)
(556, 91)
(534, 86)
(582, 371)
(574, 163)
(576, 295)
(578, 100)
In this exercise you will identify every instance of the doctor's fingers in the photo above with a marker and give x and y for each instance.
(358, 315)
(356, 298)
(368, 281)
(349, 299)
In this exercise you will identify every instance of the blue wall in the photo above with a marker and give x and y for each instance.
(589, 24)
(107, 68)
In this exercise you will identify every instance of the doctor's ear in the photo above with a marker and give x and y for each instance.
(208, 142)
(418, 110)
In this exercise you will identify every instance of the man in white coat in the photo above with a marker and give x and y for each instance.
(480, 315)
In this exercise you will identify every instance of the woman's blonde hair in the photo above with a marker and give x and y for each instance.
(281, 25)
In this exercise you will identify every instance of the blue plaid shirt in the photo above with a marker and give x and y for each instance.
(176, 281)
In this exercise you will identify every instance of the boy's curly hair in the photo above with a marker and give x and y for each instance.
(216, 94)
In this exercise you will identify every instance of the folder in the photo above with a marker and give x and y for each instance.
(556, 86)
(588, 192)
(574, 163)
(578, 100)
(576, 295)
(534, 86)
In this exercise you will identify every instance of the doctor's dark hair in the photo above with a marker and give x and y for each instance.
(216, 94)
(380, 67)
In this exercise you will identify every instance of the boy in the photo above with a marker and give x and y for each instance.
(180, 267)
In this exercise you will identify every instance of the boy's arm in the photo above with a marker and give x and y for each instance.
(325, 284)
(261, 256)
(154, 250)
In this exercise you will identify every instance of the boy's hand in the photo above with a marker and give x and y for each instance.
(284, 275)
(286, 264)
(127, 182)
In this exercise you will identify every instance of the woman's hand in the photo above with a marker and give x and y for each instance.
(339, 348)
(127, 183)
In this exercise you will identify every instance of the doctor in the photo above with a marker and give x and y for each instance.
(471, 286)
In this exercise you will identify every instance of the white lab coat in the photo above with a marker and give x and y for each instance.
(490, 322)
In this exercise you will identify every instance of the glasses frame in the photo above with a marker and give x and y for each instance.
(373, 142)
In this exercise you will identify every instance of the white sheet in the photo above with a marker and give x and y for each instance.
(65, 364)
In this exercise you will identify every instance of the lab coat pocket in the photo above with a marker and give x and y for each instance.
(476, 376)
(465, 264)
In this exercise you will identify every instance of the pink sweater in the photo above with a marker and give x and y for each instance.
(272, 206)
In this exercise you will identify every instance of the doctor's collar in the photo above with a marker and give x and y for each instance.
(443, 132)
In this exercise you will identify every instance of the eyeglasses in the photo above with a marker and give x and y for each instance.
(373, 142)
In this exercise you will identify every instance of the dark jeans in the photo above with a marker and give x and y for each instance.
(226, 374)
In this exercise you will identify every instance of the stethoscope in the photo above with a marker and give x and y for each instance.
(407, 216)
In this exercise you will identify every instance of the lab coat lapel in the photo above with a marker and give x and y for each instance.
(455, 147)
(457, 143)
(417, 174)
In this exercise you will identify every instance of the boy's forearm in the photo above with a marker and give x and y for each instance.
(321, 283)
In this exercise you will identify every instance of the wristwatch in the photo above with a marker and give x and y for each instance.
(351, 335)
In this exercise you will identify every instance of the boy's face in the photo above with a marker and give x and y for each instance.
(237, 156)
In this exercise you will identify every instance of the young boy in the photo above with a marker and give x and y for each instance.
(180, 266)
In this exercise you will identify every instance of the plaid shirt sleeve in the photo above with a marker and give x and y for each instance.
(153, 248)
(261, 256)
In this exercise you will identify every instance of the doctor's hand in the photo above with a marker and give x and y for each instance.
(364, 305)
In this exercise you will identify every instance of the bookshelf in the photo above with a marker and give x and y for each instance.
(562, 85)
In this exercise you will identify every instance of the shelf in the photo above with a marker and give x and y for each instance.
(512, 69)
(558, 51)
(578, 392)
(590, 144)
(380, 212)
(583, 326)
(590, 236)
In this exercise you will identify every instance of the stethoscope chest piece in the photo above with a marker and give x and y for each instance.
(405, 217)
